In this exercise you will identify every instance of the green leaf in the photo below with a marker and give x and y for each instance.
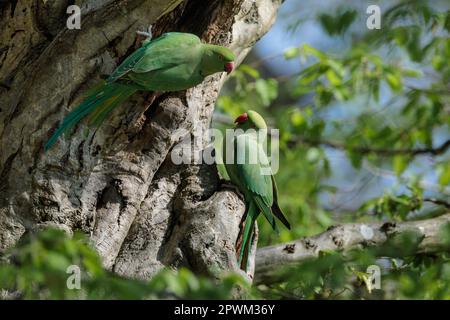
(252, 72)
(339, 23)
(410, 73)
(394, 81)
(307, 50)
(267, 90)
(291, 53)
(297, 118)
(447, 21)
(400, 163)
(333, 77)
(356, 158)
(444, 174)
(374, 86)
(438, 62)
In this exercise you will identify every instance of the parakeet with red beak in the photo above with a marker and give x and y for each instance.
(175, 61)
(253, 177)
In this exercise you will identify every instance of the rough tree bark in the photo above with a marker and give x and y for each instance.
(116, 184)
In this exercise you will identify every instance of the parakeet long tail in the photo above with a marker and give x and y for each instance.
(99, 104)
(247, 235)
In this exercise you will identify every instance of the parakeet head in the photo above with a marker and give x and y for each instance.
(250, 120)
(217, 59)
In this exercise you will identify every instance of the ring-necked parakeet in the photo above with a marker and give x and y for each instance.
(175, 61)
(253, 177)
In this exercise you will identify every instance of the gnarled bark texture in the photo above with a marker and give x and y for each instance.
(117, 183)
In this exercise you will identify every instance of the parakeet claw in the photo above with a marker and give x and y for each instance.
(147, 33)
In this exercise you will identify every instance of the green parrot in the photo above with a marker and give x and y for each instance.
(175, 61)
(254, 178)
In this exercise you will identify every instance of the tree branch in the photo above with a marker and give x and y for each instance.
(360, 149)
(380, 151)
(345, 237)
(438, 202)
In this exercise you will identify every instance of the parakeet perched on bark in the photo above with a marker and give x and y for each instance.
(250, 171)
(175, 61)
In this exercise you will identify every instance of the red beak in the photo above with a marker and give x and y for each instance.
(228, 67)
(242, 118)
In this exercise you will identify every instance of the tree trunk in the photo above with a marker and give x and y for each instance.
(117, 183)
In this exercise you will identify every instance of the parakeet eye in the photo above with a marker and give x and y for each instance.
(242, 118)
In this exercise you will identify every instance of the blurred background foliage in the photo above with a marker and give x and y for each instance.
(364, 119)
(38, 269)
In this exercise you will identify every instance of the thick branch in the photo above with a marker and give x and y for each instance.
(345, 237)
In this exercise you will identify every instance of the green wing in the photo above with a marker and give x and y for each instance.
(128, 64)
(163, 52)
(171, 49)
(250, 173)
(276, 208)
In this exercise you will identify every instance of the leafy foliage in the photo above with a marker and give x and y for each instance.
(38, 269)
(337, 276)
(339, 23)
